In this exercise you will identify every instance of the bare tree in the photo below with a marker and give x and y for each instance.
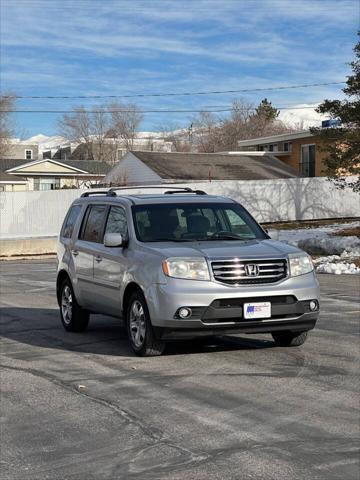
(125, 120)
(7, 105)
(100, 131)
(206, 132)
(79, 127)
(179, 137)
(214, 134)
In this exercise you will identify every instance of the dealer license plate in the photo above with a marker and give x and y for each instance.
(257, 310)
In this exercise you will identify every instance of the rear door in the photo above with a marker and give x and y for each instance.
(90, 235)
(111, 264)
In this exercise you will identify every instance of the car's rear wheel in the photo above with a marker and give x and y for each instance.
(140, 331)
(289, 339)
(73, 317)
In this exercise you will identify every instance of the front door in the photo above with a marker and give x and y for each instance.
(110, 265)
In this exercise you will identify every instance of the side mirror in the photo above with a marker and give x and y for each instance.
(113, 240)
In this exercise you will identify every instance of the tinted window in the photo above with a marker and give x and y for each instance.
(70, 221)
(116, 222)
(93, 228)
(186, 222)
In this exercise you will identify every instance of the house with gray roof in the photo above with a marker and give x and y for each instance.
(50, 174)
(141, 168)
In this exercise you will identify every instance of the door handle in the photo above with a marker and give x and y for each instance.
(75, 253)
(98, 259)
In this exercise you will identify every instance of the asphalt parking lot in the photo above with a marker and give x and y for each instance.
(82, 406)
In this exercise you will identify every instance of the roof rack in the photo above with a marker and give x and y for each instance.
(112, 191)
(188, 190)
(98, 192)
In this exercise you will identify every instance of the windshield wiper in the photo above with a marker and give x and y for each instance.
(169, 240)
(228, 236)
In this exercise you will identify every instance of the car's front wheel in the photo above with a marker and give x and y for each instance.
(289, 339)
(140, 331)
(73, 317)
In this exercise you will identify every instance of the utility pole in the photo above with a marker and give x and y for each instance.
(191, 137)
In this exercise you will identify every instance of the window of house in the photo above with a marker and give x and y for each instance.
(46, 183)
(116, 222)
(28, 154)
(70, 221)
(287, 146)
(307, 161)
(93, 224)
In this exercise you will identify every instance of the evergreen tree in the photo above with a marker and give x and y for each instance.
(342, 143)
(266, 111)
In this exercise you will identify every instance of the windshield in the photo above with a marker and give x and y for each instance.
(190, 222)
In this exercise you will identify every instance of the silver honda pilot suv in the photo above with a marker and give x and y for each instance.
(179, 265)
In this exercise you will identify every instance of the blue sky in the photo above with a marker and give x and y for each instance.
(115, 47)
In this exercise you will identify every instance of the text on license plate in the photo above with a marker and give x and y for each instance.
(257, 310)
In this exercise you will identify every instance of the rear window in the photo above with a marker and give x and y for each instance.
(70, 221)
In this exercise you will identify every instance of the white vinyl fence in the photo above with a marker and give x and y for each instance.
(40, 214)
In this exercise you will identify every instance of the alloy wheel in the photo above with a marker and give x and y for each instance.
(137, 324)
(66, 304)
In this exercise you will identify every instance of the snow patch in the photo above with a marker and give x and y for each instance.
(331, 245)
(337, 252)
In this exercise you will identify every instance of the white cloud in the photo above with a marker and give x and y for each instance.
(90, 47)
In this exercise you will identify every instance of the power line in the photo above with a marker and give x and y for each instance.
(150, 111)
(174, 94)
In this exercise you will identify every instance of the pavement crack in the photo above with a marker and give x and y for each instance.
(177, 455)
(129, 417)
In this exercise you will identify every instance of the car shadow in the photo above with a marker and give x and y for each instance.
(41, 327)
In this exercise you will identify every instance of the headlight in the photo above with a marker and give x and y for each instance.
(300, 263)
(193, 268)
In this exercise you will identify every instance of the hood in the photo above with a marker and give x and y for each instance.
(227, 249)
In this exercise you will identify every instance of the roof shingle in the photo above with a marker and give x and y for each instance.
(201, 166)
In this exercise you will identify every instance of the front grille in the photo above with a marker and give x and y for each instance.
(234, 272)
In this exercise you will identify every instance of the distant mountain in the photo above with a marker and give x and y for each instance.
(301, 116)
(47, 143)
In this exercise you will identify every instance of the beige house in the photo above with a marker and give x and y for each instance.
(22, 150)
(49, 174)
(10, 183)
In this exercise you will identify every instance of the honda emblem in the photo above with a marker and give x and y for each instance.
(251, 270)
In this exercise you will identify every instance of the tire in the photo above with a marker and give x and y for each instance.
(73, 317)
(139, 328)
(290, 339)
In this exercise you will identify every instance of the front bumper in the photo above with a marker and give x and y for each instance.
(217, 308)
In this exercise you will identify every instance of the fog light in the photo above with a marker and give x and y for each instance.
(314, 305)
(184, 312)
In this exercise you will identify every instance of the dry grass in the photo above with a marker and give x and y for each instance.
(348, 232)
(309, 223)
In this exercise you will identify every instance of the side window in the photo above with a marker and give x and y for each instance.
(70, 221)
(92, 230)
(116, 222)
(238, 224)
